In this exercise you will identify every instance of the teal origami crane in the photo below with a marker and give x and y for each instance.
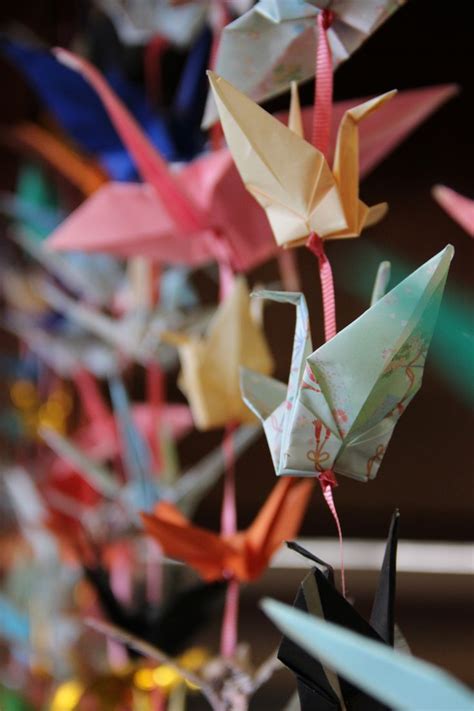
(342, 402)
(398, 680)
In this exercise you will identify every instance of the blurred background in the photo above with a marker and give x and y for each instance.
(428, 470)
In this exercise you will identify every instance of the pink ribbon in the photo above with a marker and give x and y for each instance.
(323, 86)
(315, 244)
(223, 256)
(229, 621)
(155, 384)
(328, 481)
(228, 528)
(288, 266)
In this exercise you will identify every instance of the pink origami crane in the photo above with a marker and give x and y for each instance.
(457, 206)
(201, 212)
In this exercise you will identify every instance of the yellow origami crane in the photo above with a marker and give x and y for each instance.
(211, 365)
(288, 176)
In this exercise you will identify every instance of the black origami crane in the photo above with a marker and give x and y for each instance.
(170, 626)
(319, 688)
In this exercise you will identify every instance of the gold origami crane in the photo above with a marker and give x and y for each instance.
(288, 176)
(210, 365)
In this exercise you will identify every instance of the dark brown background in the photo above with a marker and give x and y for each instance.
(428, 469)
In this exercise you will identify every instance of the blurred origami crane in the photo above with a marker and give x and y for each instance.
(78, 110)
(342, 402)
(210, 365)
(242, 556)
(201, 212)
(192, 215)
(275, 42)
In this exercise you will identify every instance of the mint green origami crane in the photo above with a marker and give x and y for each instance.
(398, 680)
(343, 400)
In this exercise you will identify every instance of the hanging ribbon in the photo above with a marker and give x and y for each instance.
(223, 256)
(321, 136)
(229, 621)
(328, 482)
(153, 58)
(155, 385)
(228, 528)
(316, 246)
(288, 267)
(323, 86)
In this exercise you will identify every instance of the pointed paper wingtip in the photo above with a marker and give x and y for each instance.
(69, 59)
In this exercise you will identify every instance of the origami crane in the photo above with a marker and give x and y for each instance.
(301, 195)
(192, 216)
(275, 42)
(185, 491)
(227, 225)
(137, 23)
(169, 626)
(176, 21)
(210, 365)
(393, 680)
(343, 400)
(242, 556)
(79, 111)
(318, 687)
(460, 208)
(135, 334)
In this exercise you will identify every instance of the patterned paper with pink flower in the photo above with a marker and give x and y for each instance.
(342, 401)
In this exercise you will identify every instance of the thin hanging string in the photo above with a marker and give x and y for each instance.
(230, 619)
(155, 385)
(229, 512)
(229, 528)
(223, 256)
(328, 482)
(288, 267)
(316, 246)
(153, 67)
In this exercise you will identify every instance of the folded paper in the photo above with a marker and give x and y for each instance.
(289, 177)
(275, 42)
(228, 226)
(342, 401)
(243, 555)
(457, 206)
(318, 686)
(210, 365)
(80, 113)
(397, 680)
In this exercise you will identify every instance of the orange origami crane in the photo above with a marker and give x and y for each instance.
(243, 555)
